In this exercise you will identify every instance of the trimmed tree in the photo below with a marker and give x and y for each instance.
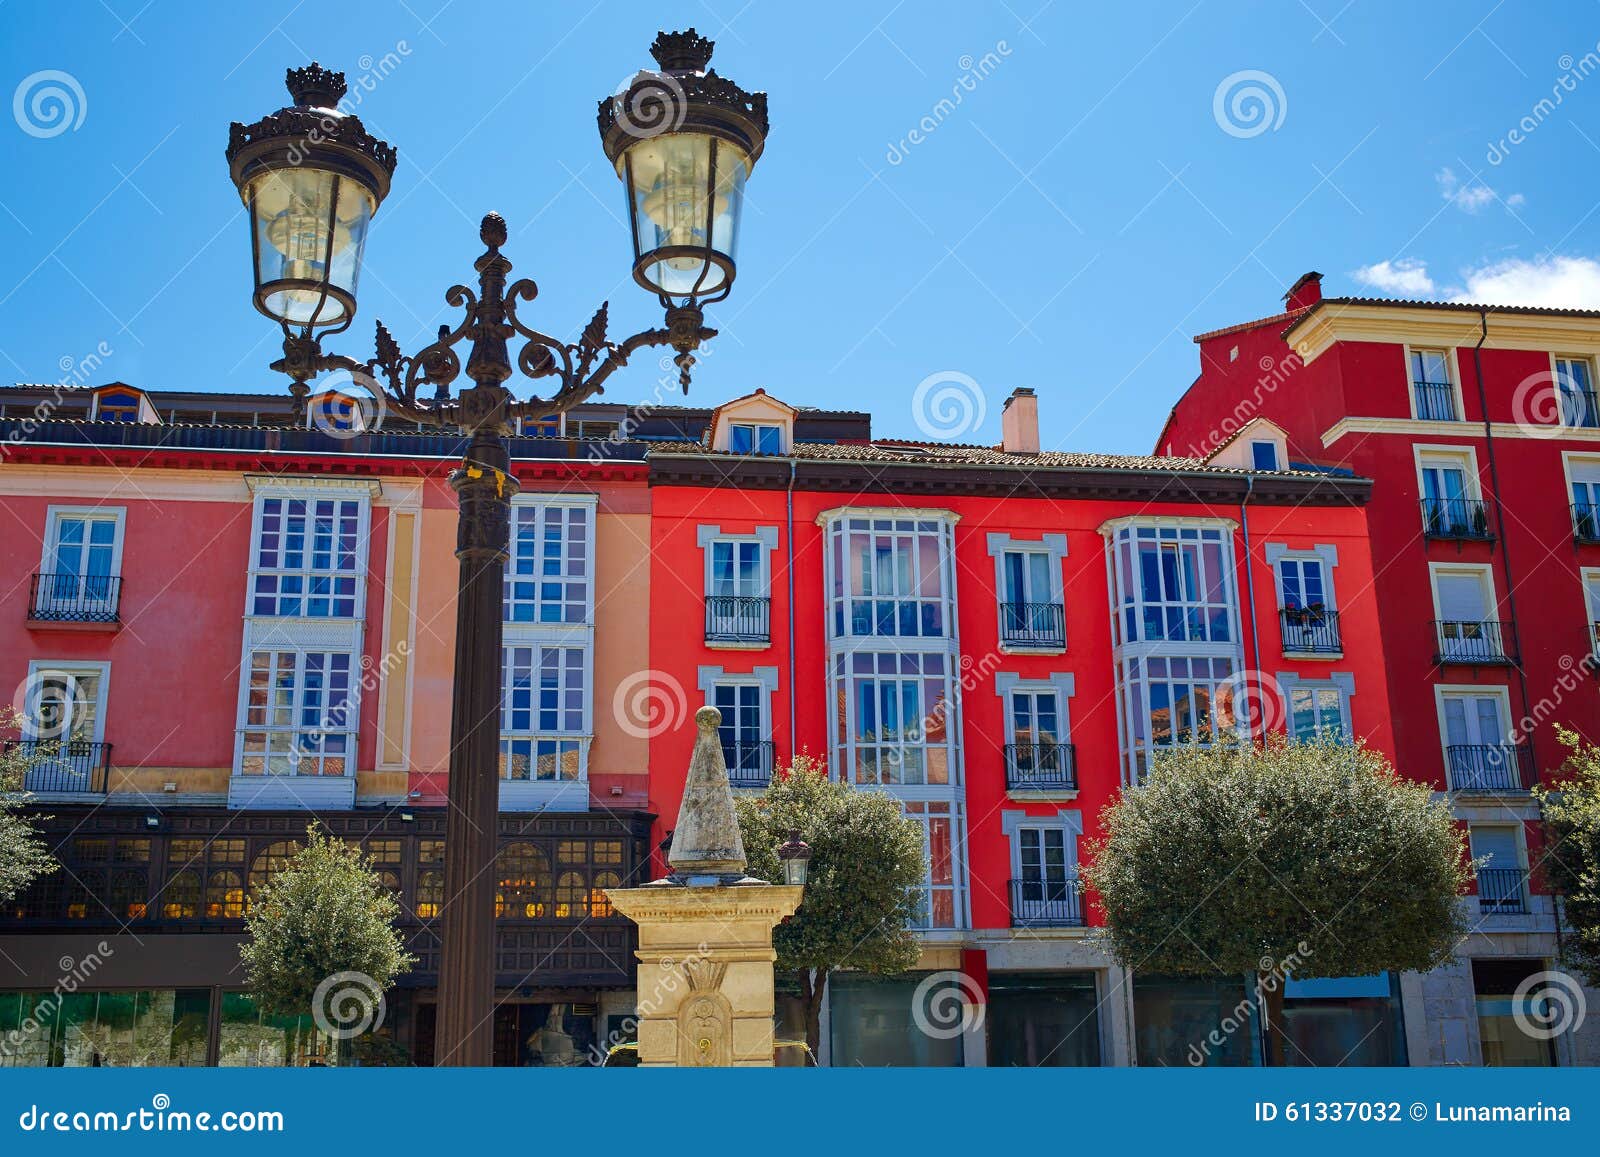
(864, 883)
(1314, 859)
(1572, 852)
(322, 940)
(23, 855)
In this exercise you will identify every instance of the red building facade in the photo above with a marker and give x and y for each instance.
(1000, 639)
(1479, 429)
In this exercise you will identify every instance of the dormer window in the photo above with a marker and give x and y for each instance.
(755, 438)
(120, 403)
(1264, 455)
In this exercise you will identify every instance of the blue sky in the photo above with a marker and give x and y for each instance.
(1093, 199)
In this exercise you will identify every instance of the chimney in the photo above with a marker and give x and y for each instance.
(1019, 423)
(1306, 291)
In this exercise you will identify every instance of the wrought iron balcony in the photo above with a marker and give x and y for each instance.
(1436, 401)
(749, 764)
(1502, 890)
(74, 598)
(1046, 903)
(1033, 625)
(1580, 409)
(1310, 631)
(1041, 767)
(68, 765)
(738, 619)
(1490, 767)
(1458, 519)
(1473, 641)
(1585, 522)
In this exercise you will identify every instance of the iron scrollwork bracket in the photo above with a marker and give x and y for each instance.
(490, 319)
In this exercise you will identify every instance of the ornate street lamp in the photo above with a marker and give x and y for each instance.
(795, 856)
(313, 178)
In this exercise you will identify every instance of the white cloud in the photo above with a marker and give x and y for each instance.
(1471, 198)
(1553, 282)
(1408, 276)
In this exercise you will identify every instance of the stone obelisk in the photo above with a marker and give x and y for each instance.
(705, 931)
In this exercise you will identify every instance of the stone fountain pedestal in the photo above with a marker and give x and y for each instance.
(705, 932)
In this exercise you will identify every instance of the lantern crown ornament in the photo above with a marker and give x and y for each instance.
(312, 178)
(683, 141)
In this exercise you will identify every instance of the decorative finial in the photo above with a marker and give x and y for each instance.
(314, 86)
(493, 230)
(706, 844)
(682, 51)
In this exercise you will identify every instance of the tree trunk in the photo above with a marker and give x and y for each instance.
(1269, 989)
(813, 991)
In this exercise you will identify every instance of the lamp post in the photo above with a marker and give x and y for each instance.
(683, 141)
(794, 854)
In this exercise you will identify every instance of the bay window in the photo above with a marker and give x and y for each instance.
(300, 714)
(547, 573)
(543, 714)
(1174, 584)
(891, 577)
(308, 557)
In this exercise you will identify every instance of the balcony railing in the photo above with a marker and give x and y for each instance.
(1579, 408)
(1496, 767)
(74, 598)
(749, 764)
(1475, 641)
(1436, 401)
(1585, 522)
(1310, 631)
(737, 619)
(1046, 903)
(1041, 767)
(68, 765)
(1033, 624)
(1502, 890)
(1462, 519)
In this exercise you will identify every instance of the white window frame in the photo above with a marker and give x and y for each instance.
(1519, 836)
(1054, 547)
(583, 738)
(1452, 367)
(351, 728)
(1227, 557)
(362, 496)
(1555, 384)
(1069, 822)
(955, 812)
(1485, 575)
(765, 679)
(1436, 455)
(837, 532)
(1272, 445)
(1496, 691)
(1343, 683)
(1591, 605)
(1326, 554)
(756, 427)
(39, 669)
(54, 514)
(1569, 459)
(525, 500)
(766, 539)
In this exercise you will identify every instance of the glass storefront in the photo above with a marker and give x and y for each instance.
(1185, 1021)
(1500, 1033)
(104, 1029)
(1350, 1021)
(1043, 1020)
(871, 1023)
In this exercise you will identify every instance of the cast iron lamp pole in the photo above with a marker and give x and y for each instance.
(683, 140)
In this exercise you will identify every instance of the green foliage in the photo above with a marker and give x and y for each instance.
(326, 912)
(1229, 857)
(866, 869)
(1572, 855)
(23, 855)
